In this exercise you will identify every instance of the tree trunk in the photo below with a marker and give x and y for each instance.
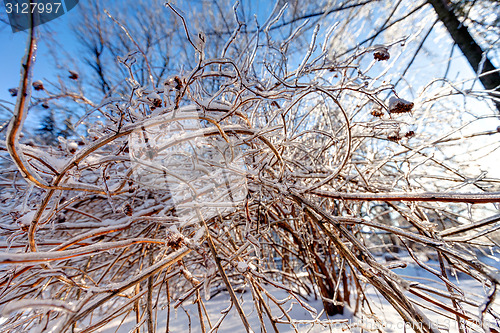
(469, 47)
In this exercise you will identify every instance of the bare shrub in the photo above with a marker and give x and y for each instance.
(240, 174)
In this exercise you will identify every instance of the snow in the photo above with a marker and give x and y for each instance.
(187, 313)
(384, 316)
(242, 266)
(27, 218)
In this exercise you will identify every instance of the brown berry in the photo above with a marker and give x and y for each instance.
(38, 85)
(128, 210)
(178, 83)
(73, 75)
(381, 54)
(377, 113)
(409, 134)
(13, 92)
(399, 105)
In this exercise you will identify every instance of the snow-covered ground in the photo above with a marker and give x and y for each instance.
(385, 318)
(186, 317)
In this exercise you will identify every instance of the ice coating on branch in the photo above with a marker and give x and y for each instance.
(210, 103)
(57, 162)
(25, 304)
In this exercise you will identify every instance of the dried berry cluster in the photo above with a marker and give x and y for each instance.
(396, 136)
(174, 239)
(399, 105)
(381, 54)
(128, 210)
(377, 113)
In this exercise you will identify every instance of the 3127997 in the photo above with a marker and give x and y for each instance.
(32, 7)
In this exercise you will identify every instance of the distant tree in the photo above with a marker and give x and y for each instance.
(471, 25)
(456, 17)
(48, 130)
(68, 130)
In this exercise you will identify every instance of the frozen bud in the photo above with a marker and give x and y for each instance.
(13, 92)
(394, 136)
(242, 266)
(38, 85)
(128, 210)
(174, 238)
(377, 112)
(45, 105)
(399, 105)
(72, 147)
(155, 99)
(73, 75)
(410, 134)
(381, 54)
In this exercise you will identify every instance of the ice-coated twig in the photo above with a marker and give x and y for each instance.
(310, 50)
(150, 73)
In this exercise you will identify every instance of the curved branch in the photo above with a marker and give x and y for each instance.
(490, 197)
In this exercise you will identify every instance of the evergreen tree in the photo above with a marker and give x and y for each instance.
(47, 132)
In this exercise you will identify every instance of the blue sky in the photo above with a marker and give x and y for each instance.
(13, 45)
(13, 48)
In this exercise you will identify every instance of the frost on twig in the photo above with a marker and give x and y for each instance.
(28, 304)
